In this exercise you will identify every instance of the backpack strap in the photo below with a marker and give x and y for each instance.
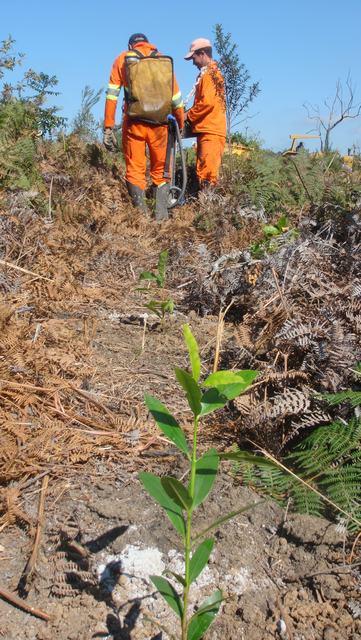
(134, 53)
(138, 54)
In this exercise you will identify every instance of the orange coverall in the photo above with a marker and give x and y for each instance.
(135, 134)
(207, 117)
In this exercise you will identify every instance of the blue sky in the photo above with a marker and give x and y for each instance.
(296, 50)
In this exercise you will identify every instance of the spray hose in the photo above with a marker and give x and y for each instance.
(176, 193)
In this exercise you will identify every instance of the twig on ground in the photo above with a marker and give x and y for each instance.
(18, 602)
(358, 537)
(92, 400)
(50, 218)
(30, 273)
(275, 277)
(220, 330)
(144, 330)
(31, 564)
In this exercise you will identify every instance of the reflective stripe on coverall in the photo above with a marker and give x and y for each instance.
(137, 135)
(208, 119)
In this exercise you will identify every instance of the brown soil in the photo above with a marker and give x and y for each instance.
(283, 576)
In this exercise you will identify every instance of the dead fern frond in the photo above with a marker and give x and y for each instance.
(309, 419)
(243, 337)
(6, 312)
(290, 402)
(295, 330)
(284, 376)
(11, 509)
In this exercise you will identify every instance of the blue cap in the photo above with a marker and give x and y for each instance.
(137, 37)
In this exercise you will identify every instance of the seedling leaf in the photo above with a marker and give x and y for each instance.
(177, 577)
(192, 345)
(167, 306)
(162, 263)
(148, 275)
(177, 492)
(206, 471)
(271, 230)
(154, 487)
(283, 223)
(231, 383)
(244, 456)
(169, 594)
(201, 621)
(167, 423)
(153, 305)
(191, 388)
(211, 400)
(223, 519)
(200, 558)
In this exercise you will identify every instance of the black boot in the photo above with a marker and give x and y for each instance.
(205, 185)
(137, 197)
(161, 194)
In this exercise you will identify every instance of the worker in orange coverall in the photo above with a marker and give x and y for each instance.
(137, 134)
(207, 116)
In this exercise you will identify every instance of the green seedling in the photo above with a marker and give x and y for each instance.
(181, 500)
(161, 307)
(281, 226)
(270, 232)
(159, 276)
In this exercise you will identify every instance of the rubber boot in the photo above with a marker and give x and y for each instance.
(137, 197)
(204, 185)
(161, 194)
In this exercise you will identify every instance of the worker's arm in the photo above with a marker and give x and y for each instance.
(205, 99)
(113, 91)
(177, 104)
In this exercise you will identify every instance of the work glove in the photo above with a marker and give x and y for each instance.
(187, 130)
(109, 139)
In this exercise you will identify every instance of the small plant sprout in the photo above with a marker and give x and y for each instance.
(271, 232)
(159, 276)
(180, 501)
(160, 307)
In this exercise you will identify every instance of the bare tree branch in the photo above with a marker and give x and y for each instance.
(338, 110)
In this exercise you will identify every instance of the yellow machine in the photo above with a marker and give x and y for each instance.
(239, 149)
(294, 137)
(348, 161)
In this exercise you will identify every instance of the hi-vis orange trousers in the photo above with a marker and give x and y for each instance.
(136, 136)
(209, 156)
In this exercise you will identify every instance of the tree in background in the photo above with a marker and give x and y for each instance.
(32, 92)
(84, 123)
(240, 92)
(24, 118)
(8, 60)
(338, 110)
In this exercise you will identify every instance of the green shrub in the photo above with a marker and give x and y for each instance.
(24, 118)
(18, 129)
(279, 183)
